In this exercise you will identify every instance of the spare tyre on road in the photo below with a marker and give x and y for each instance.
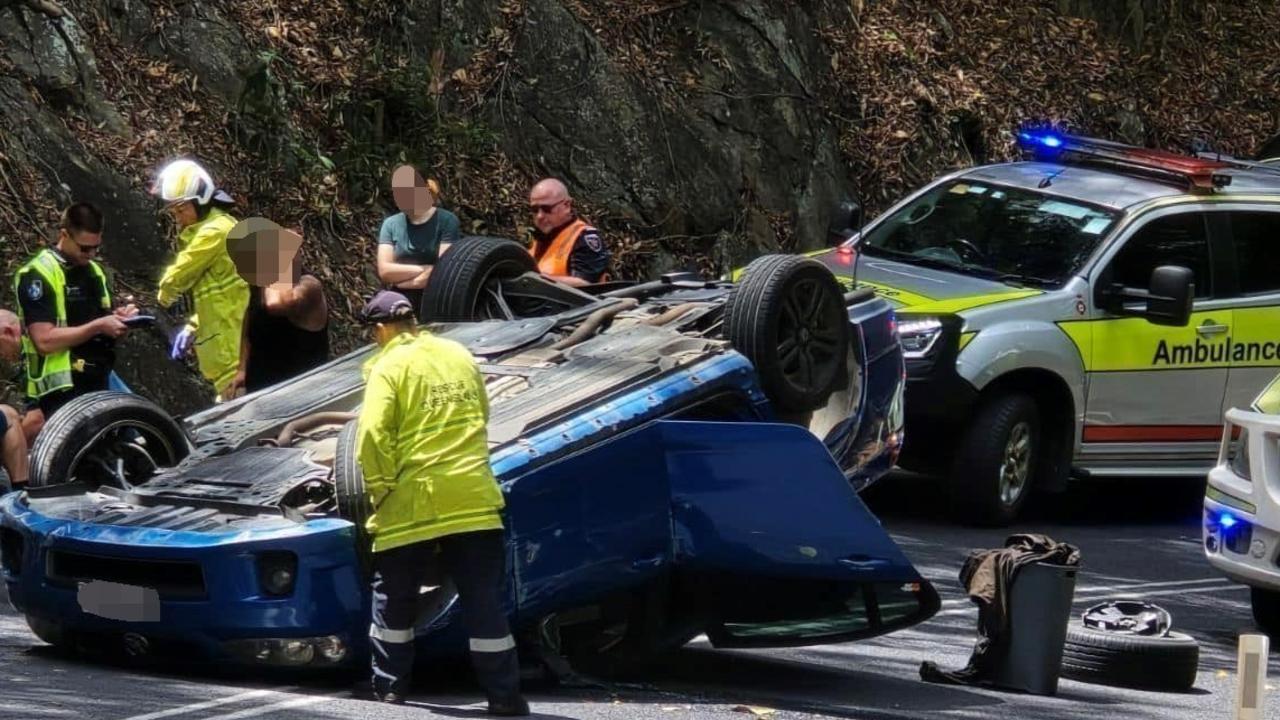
(1164, 660)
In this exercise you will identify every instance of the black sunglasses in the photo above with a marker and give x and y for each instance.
(89, 249)
(544, 208)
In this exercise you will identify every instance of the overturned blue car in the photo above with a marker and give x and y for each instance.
(679, 457)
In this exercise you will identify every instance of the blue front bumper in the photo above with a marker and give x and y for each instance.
(221, 601)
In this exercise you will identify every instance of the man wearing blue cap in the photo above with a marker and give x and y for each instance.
(423, 447)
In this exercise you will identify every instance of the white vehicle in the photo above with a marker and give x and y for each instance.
(1242, 505)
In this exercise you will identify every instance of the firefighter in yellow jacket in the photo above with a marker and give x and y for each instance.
(422, 445)
(204, 269)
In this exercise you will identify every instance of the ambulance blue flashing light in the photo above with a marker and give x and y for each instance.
(1048, 140)
(1226, 522)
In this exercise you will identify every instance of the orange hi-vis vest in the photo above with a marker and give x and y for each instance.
(553, 257)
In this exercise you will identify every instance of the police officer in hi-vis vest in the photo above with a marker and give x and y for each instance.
(565, 247)
(64, 302)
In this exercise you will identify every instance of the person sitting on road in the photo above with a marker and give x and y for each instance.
(566, 248)
(64, 303)
(13, 442)
(286, 329)
(411, 241)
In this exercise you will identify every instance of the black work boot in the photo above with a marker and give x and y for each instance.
(514, 706)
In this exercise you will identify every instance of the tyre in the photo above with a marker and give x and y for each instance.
(106, 438)
(994, 468)
(464, 283)
(348, 483)
(1136, 661)
(787, 316)
(1266, 610)
(48, 631)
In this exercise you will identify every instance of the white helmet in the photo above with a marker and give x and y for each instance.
(184, 180)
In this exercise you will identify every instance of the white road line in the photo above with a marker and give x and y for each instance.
(1181, 591)
(1142, 594)
(196, 707)
(1123, 587)
(282, 705)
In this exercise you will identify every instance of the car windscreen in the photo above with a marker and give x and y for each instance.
(1004, 233)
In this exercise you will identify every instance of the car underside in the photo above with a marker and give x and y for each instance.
(669, 470)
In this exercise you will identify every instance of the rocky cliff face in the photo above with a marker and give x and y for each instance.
(697, 133)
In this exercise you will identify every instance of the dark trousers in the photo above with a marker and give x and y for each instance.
(475, 563)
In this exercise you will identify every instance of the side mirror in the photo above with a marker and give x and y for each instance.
(846, 221)
(1170, 293)
(1168, 297)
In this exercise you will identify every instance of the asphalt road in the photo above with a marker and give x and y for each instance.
(1136, 538)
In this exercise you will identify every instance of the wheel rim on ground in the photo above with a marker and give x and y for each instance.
(806, 343)
(1016, 465)
(114, 456)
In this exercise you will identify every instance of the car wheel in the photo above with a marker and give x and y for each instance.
(993, 472)
(466, 283)
(1266, 610)
(1137, 661)
(348, 485)
(49, 632)
(787, 316)
(106, 438)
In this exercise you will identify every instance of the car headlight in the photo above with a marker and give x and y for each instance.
(919, 335)
(1240, 455)
(277, 573)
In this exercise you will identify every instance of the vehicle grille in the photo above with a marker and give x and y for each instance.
(172, 578)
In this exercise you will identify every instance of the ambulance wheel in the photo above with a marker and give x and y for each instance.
(106, 438)
(466, 282)
(348, 490)
(995, 464)
(787, 316)
(1266, 610)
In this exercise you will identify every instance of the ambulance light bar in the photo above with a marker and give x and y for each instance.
(1198, 173)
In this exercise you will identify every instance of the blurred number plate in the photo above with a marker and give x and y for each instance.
(114, 601)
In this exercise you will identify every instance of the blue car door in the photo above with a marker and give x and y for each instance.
(593, 523)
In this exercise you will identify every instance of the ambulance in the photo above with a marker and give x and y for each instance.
(1088, 312)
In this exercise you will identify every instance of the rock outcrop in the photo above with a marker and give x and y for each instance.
(696, 133)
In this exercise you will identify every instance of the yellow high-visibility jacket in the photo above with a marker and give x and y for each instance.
(219, 294)
(422, 443)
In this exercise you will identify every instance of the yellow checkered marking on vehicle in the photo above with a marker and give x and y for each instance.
(1133, 343)
(1269, 401)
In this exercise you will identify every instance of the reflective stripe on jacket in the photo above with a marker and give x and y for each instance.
(422, 443)
(50, 373)
(219, 294)
(553, 257)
